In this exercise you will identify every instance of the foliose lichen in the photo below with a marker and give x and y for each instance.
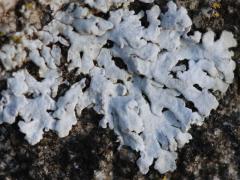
(142, 77)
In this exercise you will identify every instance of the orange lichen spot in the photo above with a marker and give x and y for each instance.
(216, 5)
(16, 39)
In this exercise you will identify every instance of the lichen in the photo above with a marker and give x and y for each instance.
(142, 78)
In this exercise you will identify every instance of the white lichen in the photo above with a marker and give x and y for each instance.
(142, 77)
(5, 6)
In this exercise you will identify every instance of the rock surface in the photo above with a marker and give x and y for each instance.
(90, 152)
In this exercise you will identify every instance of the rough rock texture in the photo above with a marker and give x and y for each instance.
(213, 152)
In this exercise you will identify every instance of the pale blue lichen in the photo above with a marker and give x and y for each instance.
(144, 101)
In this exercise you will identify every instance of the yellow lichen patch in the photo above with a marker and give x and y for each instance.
(164, 178)
(29, 5)
(215, 14)
(16, 39)
(2, 33)
(216, 5)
